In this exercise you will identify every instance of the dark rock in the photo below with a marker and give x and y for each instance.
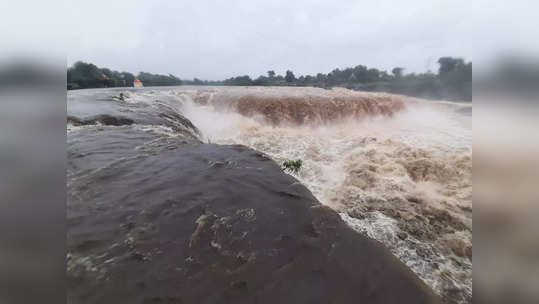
(74, 120)
(103, 119)
(228, 236)
(139, 256)
(402, 235)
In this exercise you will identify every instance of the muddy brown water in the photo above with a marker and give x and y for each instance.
(156, 214)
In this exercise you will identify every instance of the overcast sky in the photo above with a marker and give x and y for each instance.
(220, 39)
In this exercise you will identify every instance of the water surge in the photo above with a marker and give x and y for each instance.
(396, 169)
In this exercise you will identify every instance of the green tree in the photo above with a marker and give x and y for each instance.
(360, 72)
(289, 77)
(373, 75)
(149, 79)
(397, 71)
(86, 75)
(239, 81)
(127, 79)
(448, 64)
(262, 81)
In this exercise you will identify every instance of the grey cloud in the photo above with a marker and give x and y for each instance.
(219, 39)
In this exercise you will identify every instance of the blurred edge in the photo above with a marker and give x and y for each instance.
(32, 180)
(505, 176)
(33, 184)
(33, 158)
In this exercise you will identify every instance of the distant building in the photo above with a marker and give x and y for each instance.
(137, 83)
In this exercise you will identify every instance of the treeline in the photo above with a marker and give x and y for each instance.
(453, 80)
(197, 81)
(84, 75)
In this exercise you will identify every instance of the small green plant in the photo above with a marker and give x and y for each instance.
(292, 165)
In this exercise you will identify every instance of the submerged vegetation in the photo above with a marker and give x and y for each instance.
(292, 166)
(452, 81)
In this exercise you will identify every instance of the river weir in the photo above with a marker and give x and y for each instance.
(177, 195)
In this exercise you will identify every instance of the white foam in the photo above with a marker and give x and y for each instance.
(357, 163)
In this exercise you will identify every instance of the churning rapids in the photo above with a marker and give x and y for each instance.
(396, 169)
